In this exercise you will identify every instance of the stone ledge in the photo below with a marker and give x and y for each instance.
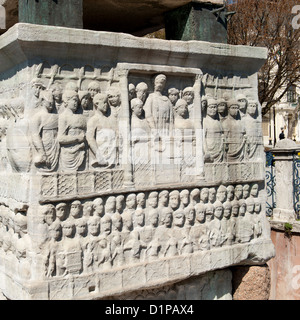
(279, 225)
(28, 41)
(140, 276)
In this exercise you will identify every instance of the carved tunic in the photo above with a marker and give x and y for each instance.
(72, 154)
(213, 135)
(159, 112)
(45, 129)
(234, 132)
(254, 138)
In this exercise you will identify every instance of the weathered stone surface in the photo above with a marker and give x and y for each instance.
(216, 285)
(251, 283)
(126, 163)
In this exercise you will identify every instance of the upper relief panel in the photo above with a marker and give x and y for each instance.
(84, 128)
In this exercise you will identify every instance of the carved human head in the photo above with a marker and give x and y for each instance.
(254, 190)
(242, 209)
(127, 220)
(88, 208)
(137, 107)
(212, 107)
(94, 88)
(179, 218)
(61, 211)
(181, 108)
(167, 217)
(238, 192)
(117, 221)
(71, 100)
(141, 91)
(84, 99)
(209, 211)
(120, 203)
(222, 106)
(188, 94)
(152, 199)
(98, 207)
(173, 95)
(159, 82)
(94, 225)
(153, 218)
(252, 108)
(81, 226)
(174, 199)
(163, 197)
(46, 100)
(57, 91)
(49, 214)
(55, 230)
(233, 108)
(105, 225)
(131, 91)
(190, 213)
(230, 192)
(68, 228)
(114, 97)
(100, 102)
(131, 201)
(76, 209)
(227, 209)
(141, 199)
(222, 193)
(184, 197)
(37, 86)
(204, 194)
(110, 204)
(139, 217)
(218, 209)
(235, 208)
(203, 103)
(195, 196)
(212, 194)
(246, 191)
(250, 205)
(200, 212)
(242, 102)
(257, 206)
(20, 223)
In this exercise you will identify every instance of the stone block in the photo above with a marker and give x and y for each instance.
(135, 169)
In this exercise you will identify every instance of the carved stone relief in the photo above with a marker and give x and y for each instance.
(127, 126)
(114, 231)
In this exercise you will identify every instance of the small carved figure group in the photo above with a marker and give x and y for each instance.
(15, 243)
(70, 122)
(136, 228)
(232, 130)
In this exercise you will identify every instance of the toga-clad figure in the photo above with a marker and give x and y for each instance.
(44, 131)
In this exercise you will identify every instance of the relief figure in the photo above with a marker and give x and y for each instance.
(71, 134)
(44, 134)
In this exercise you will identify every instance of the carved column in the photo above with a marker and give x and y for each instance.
(124, 129)
(283, 156)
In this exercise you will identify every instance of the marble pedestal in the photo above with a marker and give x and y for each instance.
(117, 172)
